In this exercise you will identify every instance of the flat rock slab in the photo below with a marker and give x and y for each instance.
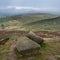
(25, 43)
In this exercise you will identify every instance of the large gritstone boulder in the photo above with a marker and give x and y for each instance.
(35, 38)
(26, 46)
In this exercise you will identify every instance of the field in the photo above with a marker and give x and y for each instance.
(46, 26)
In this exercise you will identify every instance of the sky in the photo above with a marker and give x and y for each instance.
(39, 5)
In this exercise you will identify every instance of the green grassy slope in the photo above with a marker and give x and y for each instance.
(27, 18)
(27, 22)
(52, 24)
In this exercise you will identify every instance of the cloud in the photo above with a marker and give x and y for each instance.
(30, 8)
(33, 8)
(18, 7)
(6, 7)
(51, 9)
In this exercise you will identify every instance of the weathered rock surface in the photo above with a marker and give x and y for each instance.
(25, 45)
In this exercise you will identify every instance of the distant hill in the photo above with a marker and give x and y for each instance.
(32, 21)
(52, 24)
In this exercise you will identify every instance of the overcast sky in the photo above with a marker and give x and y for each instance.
(43, 5)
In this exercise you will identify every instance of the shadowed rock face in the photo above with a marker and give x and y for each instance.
(35, 38)
(2, 42)
(25, 45)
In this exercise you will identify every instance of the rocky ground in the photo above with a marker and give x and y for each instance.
(50, 52)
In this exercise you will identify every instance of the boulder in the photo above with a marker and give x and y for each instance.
(26, 46)
(35, 38)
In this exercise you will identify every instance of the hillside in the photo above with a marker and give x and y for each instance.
(35, 21)
(52, 24)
